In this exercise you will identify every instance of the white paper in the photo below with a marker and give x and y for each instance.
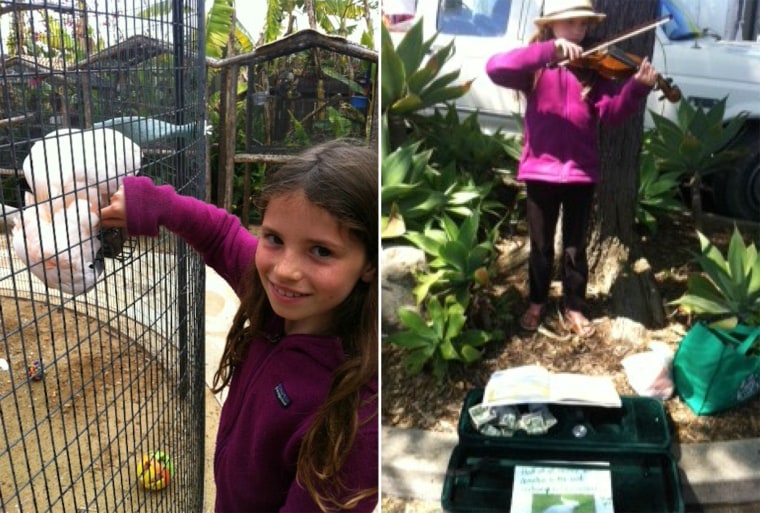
(542, 489)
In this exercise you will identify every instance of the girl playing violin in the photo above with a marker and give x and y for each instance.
(560, 159)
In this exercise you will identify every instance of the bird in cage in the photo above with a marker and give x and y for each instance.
(71, 173)
(143, 129)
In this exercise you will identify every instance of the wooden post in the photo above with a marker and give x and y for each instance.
(227, 137)
(228, 123)
(84, 44)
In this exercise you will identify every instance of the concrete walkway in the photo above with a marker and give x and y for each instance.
(722, 476)
(715, 477)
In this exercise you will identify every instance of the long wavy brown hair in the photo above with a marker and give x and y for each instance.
(340, 177)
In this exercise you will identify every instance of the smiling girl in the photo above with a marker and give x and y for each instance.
(299, 426)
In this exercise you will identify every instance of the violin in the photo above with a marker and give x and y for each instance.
(614, 64)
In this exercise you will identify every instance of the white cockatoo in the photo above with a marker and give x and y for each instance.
(72, 174)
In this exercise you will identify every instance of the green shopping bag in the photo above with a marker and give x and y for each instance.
(711, 369)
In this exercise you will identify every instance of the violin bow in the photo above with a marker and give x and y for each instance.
(635, 31)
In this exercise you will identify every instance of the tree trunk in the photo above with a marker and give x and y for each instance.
(615, 258)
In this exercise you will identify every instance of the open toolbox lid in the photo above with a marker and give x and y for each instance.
(481, 479)
(640, 424)
(631, 443)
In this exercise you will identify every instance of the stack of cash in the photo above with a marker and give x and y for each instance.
(506, 420)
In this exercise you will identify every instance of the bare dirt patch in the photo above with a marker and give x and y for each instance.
(72, 439)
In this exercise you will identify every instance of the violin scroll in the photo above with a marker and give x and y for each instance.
(669, 91)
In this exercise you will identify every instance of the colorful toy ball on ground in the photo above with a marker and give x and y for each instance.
(35, 371)
(155, 470)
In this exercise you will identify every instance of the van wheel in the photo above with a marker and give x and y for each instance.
(750, 182)
(753, 189)
(737, 191)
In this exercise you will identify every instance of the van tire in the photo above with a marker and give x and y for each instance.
(736, 192)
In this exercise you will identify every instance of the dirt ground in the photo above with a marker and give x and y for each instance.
(76, 434)
(420, 402)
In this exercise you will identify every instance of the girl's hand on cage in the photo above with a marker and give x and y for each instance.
(115, 214)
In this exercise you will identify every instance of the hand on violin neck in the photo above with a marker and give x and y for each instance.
(646, 74)
(567, 49)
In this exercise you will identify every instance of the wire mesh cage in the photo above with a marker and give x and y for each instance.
(101, 363)
(300, 90)
(305, 89)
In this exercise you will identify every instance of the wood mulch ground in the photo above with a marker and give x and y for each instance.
(420, 402)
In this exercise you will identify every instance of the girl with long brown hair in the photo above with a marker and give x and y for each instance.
(299, 426)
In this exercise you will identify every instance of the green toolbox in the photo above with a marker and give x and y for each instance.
(590, 459)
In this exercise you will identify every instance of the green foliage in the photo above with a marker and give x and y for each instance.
(407, 201)
(415, 201)
(410, 81)
(728, 288)
(337, 17)
(441, 339)
(459, 261)
(698, 141)
(341, 17)
(219, 28)
(61, 42)
(415, 194)
(658, 193)
(437, 179)
(463, 142)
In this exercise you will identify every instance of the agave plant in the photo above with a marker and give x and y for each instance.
(412, 79)
(408, 203)
(415, 194)
(728, 288)
(699, 143)
(441, 339)
(657, 193)
(459, 261)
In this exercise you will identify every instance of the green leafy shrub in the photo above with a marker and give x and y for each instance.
(460, 262)
(697, 144)
(437, 180)
(414, 194)
(463, 142)
(441, 339)
(407, 200)
(728, 288)
(412, 79)
(657, 194)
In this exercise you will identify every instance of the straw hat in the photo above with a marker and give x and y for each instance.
(567, 9)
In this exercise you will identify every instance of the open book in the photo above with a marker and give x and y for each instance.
(535, 384)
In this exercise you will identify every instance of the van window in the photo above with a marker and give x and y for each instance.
(485, 18)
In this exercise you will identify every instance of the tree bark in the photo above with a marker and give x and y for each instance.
(616, 264)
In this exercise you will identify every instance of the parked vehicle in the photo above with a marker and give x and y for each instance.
(705, 68)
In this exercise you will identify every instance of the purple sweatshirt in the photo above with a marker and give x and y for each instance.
(561, 128)
(275, 393)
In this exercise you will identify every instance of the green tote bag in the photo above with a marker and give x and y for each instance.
(712, 370)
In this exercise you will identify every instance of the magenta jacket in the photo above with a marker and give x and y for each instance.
(282, 382)
(561, 128)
